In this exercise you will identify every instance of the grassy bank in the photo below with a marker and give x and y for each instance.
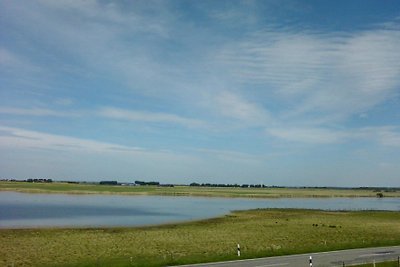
(259, 232)
(190, 191)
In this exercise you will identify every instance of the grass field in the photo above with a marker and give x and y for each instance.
(190, 191)
(259, 232)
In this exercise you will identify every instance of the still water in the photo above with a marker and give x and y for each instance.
(20, 210)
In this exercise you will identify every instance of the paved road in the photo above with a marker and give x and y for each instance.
(323, 259)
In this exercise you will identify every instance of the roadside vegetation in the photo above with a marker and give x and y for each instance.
(260, 233)
(268, 192)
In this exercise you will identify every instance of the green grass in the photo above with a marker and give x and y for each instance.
(259, 232)
(189, 191)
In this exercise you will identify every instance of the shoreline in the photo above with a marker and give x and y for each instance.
(40, 191)
(187, 191)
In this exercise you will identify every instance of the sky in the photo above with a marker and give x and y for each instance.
(283, 92)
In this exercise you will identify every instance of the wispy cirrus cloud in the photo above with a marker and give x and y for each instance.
(39, 112)
(25, 139)
(231, 156)
(102, 38)
(340, 73)
(10, 61)
(383, 135)
(232, 105)
(108, 113)
(42, 154)
(308, 135)
(151, 117)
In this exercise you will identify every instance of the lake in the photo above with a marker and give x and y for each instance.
(23, 210)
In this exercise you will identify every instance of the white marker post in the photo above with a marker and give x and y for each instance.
(310, 261)
(238, 249)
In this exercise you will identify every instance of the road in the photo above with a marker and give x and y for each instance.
(322, 259)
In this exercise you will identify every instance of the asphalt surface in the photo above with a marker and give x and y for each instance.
(322, 259)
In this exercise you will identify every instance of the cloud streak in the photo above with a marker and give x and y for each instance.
(233, 106)
(383, 135)
(150, 117)
(25, 139)
(39, 112)
(336, 73)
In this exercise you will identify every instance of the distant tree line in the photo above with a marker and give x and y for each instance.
(39, 180)
(108, 183)
(146, 183)
(229, 185)
(141, 183)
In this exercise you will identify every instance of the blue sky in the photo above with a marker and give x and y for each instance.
(296, 93)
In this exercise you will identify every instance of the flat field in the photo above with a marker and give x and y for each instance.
(259, 232)
(190, 191)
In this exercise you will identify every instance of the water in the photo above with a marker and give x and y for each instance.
(21, 210)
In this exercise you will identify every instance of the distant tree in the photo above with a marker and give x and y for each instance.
(146, 183)
(109, 183)
(379, 195)
(166, 185)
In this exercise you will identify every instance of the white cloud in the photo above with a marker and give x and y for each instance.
(308, 135)
(112, 13)
(390, 138)
(11, 61)
(35, 112)
(232, 156)
(231, 105)
(329, 74)
(65, 101)
(107, 112)
(26, 153)
(152, 117)
(96, 38)
(383, 135)
(20, 138)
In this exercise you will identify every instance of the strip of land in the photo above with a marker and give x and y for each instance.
(260, 233)
(269, 192)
